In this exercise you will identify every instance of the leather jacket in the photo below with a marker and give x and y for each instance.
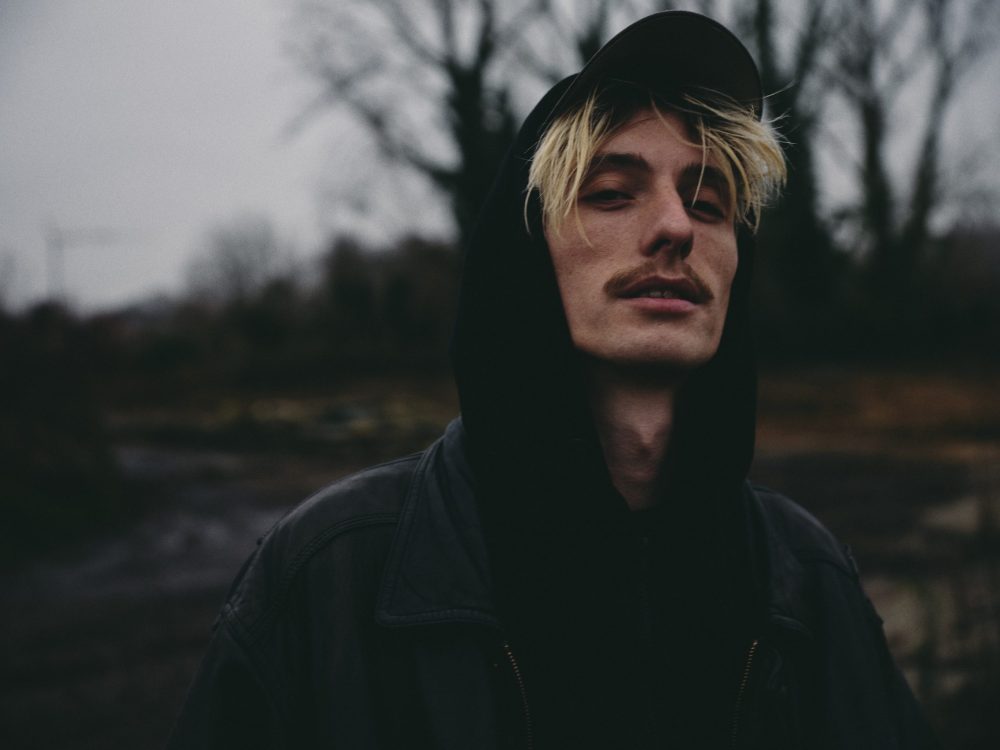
(365, 619)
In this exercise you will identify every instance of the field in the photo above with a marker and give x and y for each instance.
(101, 639)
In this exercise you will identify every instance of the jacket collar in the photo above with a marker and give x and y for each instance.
(785, 576)
(438, 569)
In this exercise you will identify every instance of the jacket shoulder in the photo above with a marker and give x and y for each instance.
(346, 526)
(865, 697)
(801, 532)
(372, 495)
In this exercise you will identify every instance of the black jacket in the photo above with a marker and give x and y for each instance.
(494, 592)
(366, 619)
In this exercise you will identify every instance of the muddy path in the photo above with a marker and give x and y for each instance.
(108, 635)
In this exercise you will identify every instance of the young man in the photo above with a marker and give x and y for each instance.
(579, 561)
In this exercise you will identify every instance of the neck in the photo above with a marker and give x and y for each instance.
(633, 413)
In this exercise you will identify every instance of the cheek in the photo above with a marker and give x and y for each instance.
(576, 289)
(727, 276)
(726, 263)
(574, 263)
(722, 273)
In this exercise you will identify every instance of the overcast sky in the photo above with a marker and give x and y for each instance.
(155, 121)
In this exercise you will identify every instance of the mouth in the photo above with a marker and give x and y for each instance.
(660, 287)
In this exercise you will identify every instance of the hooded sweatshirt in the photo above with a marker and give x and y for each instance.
(632, 628)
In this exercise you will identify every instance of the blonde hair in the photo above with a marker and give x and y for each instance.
(747, 149)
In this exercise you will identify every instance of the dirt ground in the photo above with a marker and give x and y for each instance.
(100, 642)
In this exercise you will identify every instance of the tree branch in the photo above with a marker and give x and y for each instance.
(408, 33)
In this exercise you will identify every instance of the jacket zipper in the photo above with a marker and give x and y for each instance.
(528, 733)
(743, 687)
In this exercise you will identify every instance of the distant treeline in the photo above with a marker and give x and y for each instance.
(58, 478)
(949, 308)
(365, 310)
(362, 310)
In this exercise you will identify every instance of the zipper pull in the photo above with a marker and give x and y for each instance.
(744, 681)
(516, 669)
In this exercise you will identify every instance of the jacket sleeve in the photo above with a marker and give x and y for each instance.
(229, 704)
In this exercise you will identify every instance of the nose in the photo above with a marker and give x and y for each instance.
(669, 228)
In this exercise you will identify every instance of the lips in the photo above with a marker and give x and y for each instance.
(662, 287)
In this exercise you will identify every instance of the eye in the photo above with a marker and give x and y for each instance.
(607, 197)
(707, 207)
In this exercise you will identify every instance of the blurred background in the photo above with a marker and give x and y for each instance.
(230, 240)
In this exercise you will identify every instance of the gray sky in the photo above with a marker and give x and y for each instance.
(155, 120)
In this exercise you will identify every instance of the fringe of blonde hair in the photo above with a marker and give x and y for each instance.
(746, 149)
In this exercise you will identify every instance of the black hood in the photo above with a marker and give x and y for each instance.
(520, 381)
(590, 595)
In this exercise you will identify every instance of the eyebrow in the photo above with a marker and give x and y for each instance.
(611, 160)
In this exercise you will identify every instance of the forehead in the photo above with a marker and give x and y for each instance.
(653, 133)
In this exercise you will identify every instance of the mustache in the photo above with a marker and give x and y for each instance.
(621, 281)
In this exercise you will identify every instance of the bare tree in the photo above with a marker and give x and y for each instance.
(427, 78)
(790, 52)
(883, 48)
(572, 31)
(434, 81)
(238, 260)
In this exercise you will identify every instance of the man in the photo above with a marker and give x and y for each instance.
(579, 561)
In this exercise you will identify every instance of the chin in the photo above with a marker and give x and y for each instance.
(672, 361)
(668, 346)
